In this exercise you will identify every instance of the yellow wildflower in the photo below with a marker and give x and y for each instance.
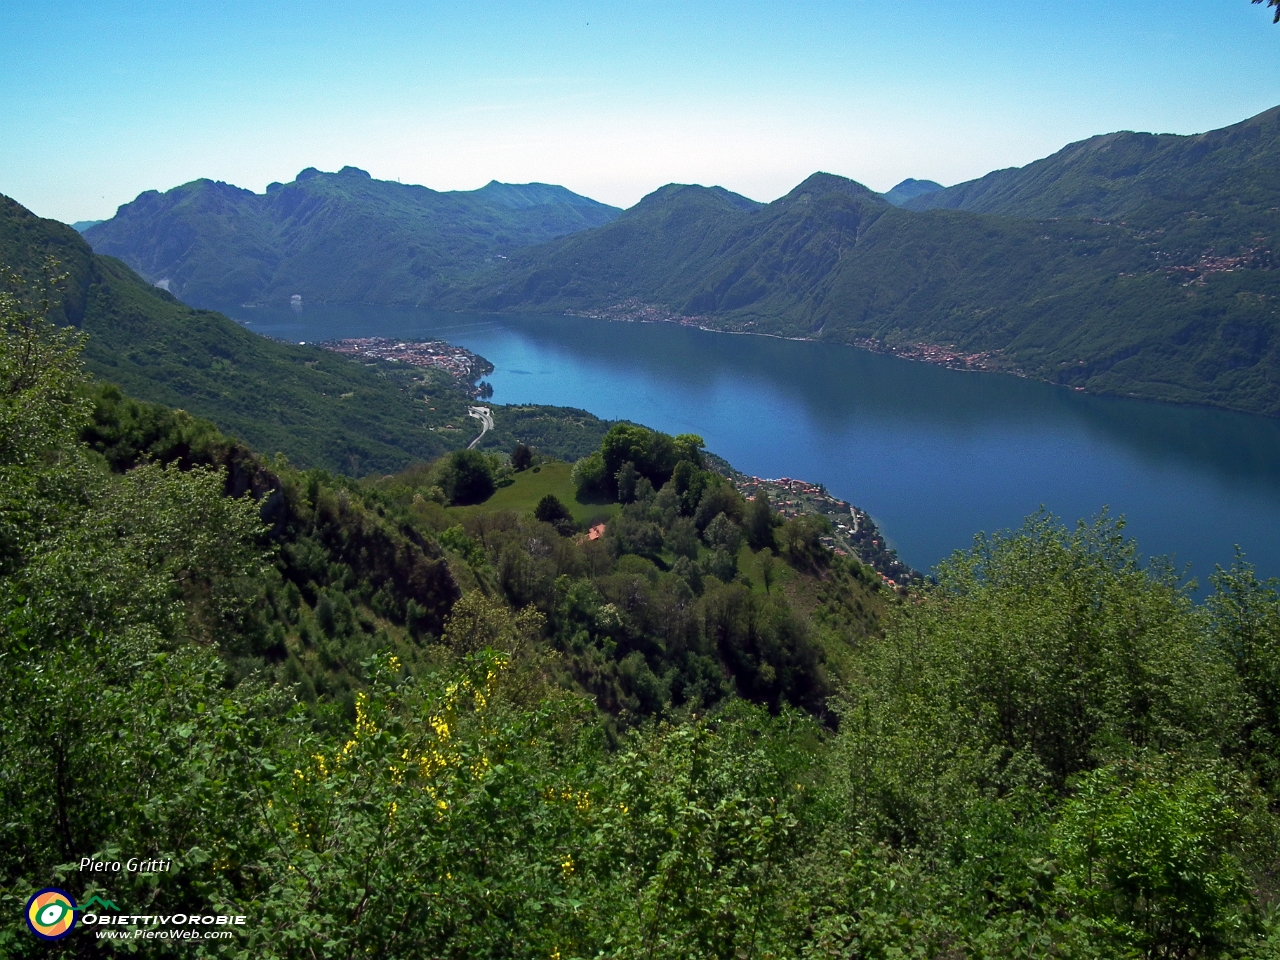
(364, 726)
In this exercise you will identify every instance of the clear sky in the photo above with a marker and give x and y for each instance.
(102, 99)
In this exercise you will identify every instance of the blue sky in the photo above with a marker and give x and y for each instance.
(105, 99)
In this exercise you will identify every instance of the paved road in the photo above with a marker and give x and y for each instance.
(485, 416)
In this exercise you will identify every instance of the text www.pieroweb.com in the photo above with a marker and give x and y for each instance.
(178, 926)
(164, 934)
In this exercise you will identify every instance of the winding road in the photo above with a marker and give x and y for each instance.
(485, 416)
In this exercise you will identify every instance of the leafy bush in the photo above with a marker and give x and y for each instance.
(589, 475)
(1148, 854)
(466, 476)
(521, 457)
(551, 510)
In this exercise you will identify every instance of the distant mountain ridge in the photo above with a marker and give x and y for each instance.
(1132, 264)
(335, 237)
(522, 196)
(1228, 177)
(1162, 288)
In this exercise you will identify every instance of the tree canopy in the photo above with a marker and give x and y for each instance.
(380, 725)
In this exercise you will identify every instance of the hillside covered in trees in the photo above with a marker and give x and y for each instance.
(1127, 264)
(495, 706)
(339, 237)
(316, 407)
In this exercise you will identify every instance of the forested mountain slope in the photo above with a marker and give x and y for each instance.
(1178, 303)
(909, 189)
(332, 237)
(319, 408)
(696, 250)
(1213, 193)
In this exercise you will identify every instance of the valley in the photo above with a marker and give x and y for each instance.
(1127, 264)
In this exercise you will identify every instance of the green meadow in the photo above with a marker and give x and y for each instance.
(530, 486)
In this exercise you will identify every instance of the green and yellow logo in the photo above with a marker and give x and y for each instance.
(51, 914)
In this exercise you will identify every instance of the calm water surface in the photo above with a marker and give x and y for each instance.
(933, 455)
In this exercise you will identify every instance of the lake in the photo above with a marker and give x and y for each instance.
(934, 455)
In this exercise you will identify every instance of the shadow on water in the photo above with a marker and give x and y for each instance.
(934, 454)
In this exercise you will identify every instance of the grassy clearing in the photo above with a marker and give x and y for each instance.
(530, 487)
(749, 569)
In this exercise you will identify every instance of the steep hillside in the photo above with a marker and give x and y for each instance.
(830, 254)
(319, 408)
(1185, 313)
(655, 251)
(334, 237)
(1218, 192)
(356, 721)
(698, 251)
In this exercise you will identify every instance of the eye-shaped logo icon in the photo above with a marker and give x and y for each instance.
(51, 914)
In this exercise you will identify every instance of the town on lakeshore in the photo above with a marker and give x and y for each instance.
(458, 362)
(634, 310)
(853, 532)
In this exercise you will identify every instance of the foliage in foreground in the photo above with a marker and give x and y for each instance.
(1052, 753)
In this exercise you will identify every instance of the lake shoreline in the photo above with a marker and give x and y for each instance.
(945, 356)
(938, 355)
(933, 458)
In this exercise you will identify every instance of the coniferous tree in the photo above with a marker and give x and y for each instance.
(759, 521)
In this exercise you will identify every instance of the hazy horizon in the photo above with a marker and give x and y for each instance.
(110, 99)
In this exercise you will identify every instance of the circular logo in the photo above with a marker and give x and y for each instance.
(51, 914)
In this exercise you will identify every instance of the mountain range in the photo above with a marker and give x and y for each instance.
(1132, 264)
(1128, 264)
(338, 237)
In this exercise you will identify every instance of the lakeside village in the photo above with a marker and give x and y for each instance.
(461, 364)
(636, 311)
(853, 532)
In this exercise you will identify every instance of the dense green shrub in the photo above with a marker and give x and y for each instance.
(551, 510)
(521, 457)
(467, 477)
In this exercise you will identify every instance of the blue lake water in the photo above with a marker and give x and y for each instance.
(934, 455)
